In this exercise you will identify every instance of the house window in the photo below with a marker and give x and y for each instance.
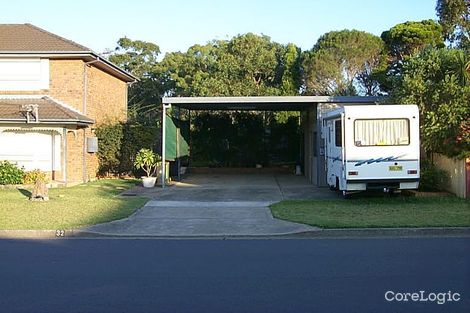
(24, 74)
(382, 132)
(338, 133)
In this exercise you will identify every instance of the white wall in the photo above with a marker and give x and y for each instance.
(24, 74)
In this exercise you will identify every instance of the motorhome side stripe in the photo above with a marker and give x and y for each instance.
(379, 160)
(401, 160)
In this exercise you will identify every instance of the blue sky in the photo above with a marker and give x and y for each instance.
(178, 24)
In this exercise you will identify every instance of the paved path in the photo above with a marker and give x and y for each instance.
(216, 205)
(190, 218)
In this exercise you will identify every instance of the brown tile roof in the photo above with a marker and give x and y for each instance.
(27, 37)
(49, 111)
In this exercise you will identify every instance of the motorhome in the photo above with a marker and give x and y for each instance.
(372, 147)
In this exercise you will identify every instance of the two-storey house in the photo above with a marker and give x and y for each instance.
(53, 94)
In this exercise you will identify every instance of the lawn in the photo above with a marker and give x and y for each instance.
(72, 207)
(376, 212)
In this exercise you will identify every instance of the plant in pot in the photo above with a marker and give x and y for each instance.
(149, 161)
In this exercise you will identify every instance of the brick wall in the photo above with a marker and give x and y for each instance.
(66, 82)
(106, 101)
(75, 145)
(74, 156)
(107, 97)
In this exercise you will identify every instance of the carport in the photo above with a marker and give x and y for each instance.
(311, 108)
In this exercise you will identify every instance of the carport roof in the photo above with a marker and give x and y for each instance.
(271, 103)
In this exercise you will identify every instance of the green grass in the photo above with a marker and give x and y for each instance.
(376, 212)
(72, 207)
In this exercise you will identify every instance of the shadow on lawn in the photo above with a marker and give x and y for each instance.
(25, 192)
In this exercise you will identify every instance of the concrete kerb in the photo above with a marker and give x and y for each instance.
(38, 234)
(209, 204)
(356, 233)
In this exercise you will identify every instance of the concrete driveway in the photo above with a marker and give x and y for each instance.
(215, 205)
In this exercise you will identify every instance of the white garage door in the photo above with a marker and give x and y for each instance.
(33, 150)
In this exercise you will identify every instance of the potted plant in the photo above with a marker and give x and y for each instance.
(149, 161)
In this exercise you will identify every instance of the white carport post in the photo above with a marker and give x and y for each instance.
(165, 107)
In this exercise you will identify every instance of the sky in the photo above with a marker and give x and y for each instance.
(176, 25)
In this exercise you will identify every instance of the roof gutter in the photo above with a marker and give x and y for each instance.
(112, 65)
(48, 121)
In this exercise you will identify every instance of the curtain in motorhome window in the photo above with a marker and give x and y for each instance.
(381, 132)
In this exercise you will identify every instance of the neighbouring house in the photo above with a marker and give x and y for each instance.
(53, 94)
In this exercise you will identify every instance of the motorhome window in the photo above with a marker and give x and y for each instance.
(338, 136)
(382, 132)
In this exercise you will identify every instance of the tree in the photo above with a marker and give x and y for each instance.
(339, 63)
(140, 58)
(246, 65)
(289, 69)
(454, 17)
(406, 39)
(436, 80)
(402, 41)
(136, 56)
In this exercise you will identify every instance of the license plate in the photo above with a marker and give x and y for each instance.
(395, 168)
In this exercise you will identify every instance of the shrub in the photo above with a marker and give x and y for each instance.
(148, 161)
(119, 144)
(432, 178)
(31, 177)
(136, 136)
(10, 174)
(110, 141)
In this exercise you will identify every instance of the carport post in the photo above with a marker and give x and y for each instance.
(165, 107)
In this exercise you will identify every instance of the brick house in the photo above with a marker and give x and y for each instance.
(53, 94)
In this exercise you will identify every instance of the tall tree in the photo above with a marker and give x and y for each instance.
(454, 16)
(339, 63)
(436, 80)
(406, 39)
(246, 65)
(140, 58)
(135, 56)
(289, 69)
(403, 41)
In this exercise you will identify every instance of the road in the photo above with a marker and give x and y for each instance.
(288, 275)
